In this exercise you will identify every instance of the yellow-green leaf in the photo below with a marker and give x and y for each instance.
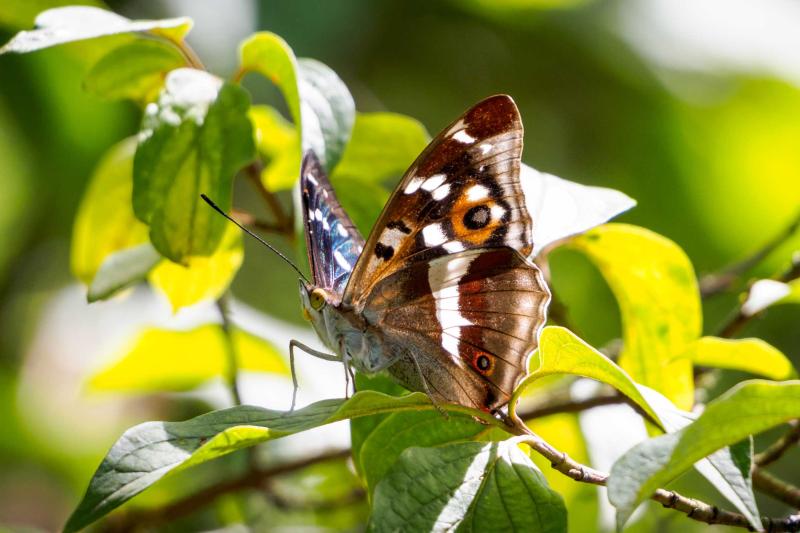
(318, 100)
(105, 222)
(749, 355)
(135, 70)
(168, 360)
(278, 144)
(203, 277)
(655, 286)
(562, 352)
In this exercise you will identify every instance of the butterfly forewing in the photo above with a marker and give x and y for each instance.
(462, 192)
(332, 241)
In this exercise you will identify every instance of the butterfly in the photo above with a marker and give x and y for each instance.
(441, 295)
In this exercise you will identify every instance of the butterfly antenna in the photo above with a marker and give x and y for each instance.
(259, 239)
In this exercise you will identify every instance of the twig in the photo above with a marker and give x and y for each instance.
(694, 509)
(780, 446)
(571, 406)
(776, 487)
(738, 319)
(230, 349)
(713, 284)
(254, 479)
(282, 221)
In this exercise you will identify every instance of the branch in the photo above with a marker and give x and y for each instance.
(694, 509)
(713, 284)
(230, 349)
(252, 480)
(282, 221)
(776, 487)
(780, 446)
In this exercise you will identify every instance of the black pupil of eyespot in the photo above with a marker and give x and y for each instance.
(483, 362)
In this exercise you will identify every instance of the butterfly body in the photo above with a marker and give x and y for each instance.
(441, 295)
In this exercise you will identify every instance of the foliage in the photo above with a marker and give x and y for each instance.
(421, 466)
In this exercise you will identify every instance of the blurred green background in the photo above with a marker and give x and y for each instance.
(690, 109)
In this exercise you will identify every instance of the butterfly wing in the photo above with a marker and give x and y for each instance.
(461, 326)
(462, 192)
(443, 280)
(332, 241)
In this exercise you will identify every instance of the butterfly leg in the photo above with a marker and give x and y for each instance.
(310, 351)
(427, 388)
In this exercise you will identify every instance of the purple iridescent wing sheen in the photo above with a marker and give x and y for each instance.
(332, 241)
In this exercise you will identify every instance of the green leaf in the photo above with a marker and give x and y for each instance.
(122, 269)
(400, 431)
(278, 145)
(562, 352)
(361, 428)
(747, 409)
(655, 286)
(318, 100)
(192, 141)
(105, 222)
(201, 278)
(748, 355)
(135, 70)
(169, 360)
(77, 23)
(469, 486)
(147, 452)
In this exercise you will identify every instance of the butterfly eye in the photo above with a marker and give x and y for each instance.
(317, 299)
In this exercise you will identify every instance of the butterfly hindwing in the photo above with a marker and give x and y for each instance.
(462, 192)
(332, 241)
(468, 320)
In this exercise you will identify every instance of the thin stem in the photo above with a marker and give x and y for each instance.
(189, 54)
(230, 349)
(713, 284)
(282, 220)
(780, 446)
(776, 487)
(571, 406)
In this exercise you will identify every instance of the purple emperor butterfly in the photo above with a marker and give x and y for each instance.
(441, 295)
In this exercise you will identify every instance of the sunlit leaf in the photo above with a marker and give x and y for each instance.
(147, 452)
(317, 99)
(192, 141)
(76, 23)
(122, 269)
(655, 286)
(202, 278)
(749, 408)
(748, 355)
(562, 352)
(399, 431)
(562, 208)
(170, 360)
(135, 70)
(278, 145)
(105, 222)
(469, 486)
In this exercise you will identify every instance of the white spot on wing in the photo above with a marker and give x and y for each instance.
(477, 193)
(463, 137)
(318, 214)
(337, 255)
(433, 235)
(485, 148)
(310, 214)
(413, 185)
(310, 177)
(442, 192)
(443, 277)
(433, 182)
(342, 230)
(498, 212)
(453, 246)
